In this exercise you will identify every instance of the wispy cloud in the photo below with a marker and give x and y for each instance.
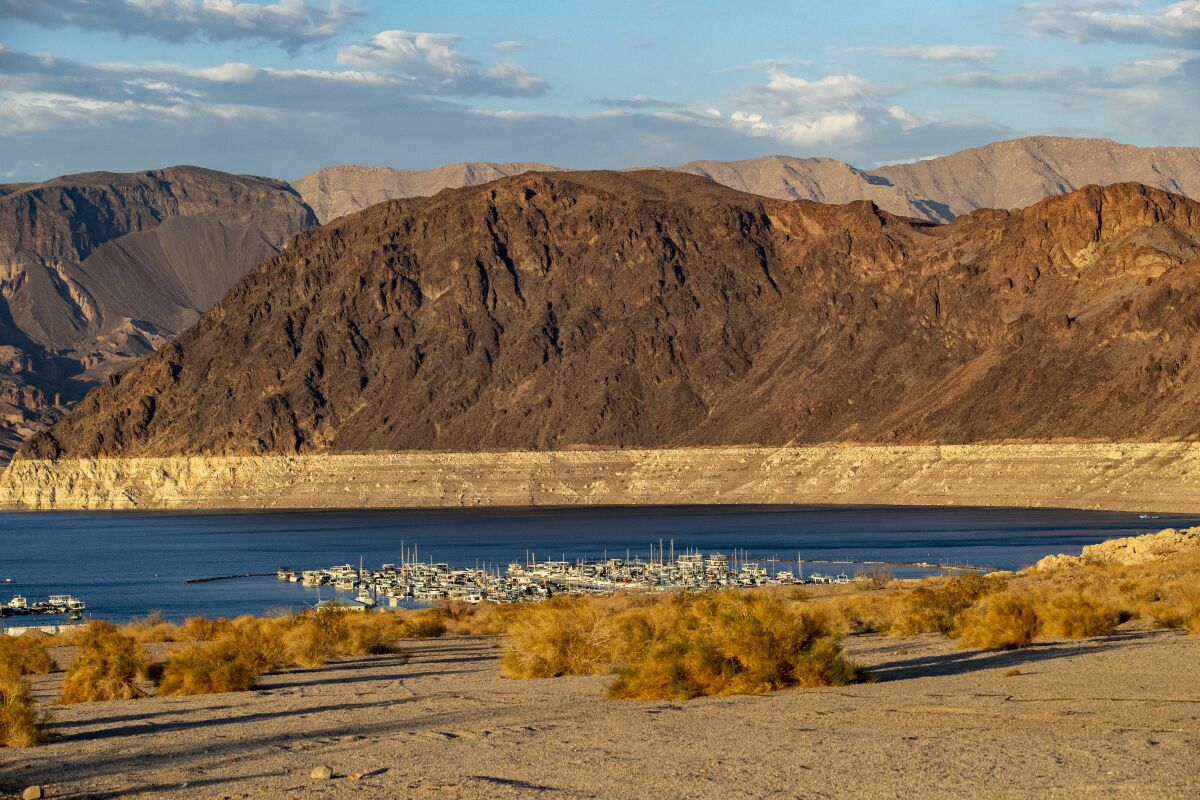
(435, 58)
(1173, 25)
(640, 101)
(942, 53)
(290, 24)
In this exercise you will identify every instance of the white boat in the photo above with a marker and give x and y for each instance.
(18, 603)
(364, 597)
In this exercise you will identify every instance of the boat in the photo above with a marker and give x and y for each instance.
(19, 604)
(364, 597)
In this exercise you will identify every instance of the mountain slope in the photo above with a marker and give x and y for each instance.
(562, 310)
(101, 268)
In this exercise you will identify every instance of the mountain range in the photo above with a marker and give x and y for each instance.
(102, 268)
(553, 311)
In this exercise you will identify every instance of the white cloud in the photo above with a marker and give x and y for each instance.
(433, 54)
(232, 72)
(509, 46)
(436, 59)
(1173, 25)
(942, 53)
(288, 23)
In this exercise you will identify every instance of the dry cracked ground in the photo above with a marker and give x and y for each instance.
(1116, 717)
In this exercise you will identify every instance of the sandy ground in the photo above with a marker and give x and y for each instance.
(1115, 717)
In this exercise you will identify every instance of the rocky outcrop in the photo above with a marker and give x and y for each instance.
(1129, 551)
(1114, 477)
(97, 270)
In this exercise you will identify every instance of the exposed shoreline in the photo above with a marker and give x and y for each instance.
(1159, 477)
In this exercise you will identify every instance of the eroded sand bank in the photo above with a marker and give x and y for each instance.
(1133, 476)
(1116, 717)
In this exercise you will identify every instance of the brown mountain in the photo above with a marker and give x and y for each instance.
(559, 310)
(102, 268)
(333, 192)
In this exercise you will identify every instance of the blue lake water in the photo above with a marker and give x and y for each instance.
(124, 565)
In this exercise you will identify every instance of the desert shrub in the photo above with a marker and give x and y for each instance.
(874, 577)
(726, 643)
(201, 629)
(372, 634)
(1076, 615)
(480, 619)
(862, 613)
(154, 627)
(425, 624)
(107, 667)
(936, 607)
(216, 666)
(20, 722)
(312, 639)
(561, 636)
(1004, 621)
(25, 654)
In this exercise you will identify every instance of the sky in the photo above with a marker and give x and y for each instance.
(283, 87)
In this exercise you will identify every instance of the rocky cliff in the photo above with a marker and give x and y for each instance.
(99, 269)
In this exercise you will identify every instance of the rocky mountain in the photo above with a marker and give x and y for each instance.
(99, 269)
(1011, 174)
(333, 192)
(595, 310)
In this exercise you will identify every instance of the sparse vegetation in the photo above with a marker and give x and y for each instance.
(727, 643)
(1076, 615)
(20, 721)
(562, 636)
(935, 606)
(1003, 621)
(107, 667)
(26, 655)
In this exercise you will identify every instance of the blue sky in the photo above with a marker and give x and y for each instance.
(282, 87)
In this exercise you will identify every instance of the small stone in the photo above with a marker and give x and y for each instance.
(355, 776)
(32, 793)
(321, 773)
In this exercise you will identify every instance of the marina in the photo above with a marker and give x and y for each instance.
(125, 565)
(531, 580)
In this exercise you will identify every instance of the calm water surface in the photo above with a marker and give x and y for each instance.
(126, 564)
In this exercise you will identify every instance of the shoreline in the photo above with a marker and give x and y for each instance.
(1140, 477)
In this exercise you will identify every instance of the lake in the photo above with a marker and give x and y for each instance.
(124, 565)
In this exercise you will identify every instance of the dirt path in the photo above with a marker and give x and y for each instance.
(1104, 718)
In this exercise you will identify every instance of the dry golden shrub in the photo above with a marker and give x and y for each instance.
(936, 606)
(27, 655)
(1074, 614)
(560, 636)
(875, 612)
(20, 722)
(153, 628)
(202, 629)
(107, 667)
(1003, 621)
(427, 623)
(314, 638)
(216, 666)
(372, 634)
(726, 643)
(480, 619)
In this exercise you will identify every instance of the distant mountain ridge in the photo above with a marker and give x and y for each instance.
(1009, 174)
